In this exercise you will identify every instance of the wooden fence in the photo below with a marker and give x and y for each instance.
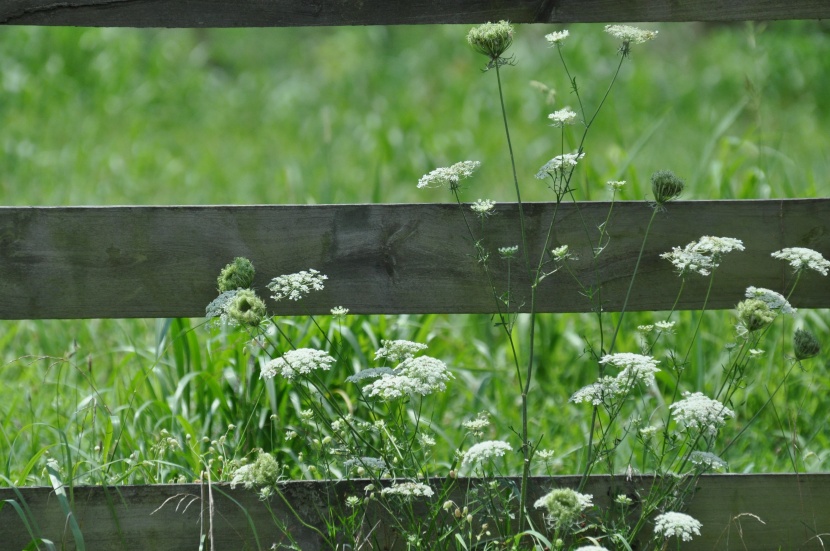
(150, 262)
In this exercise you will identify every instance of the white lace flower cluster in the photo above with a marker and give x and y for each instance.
(557, 37)
(296, 286)
(676, 524)
(449, 176)
(408, 489)
(702, 256)
(562, 117)
(801, 259)
(483, 207)
(707, 460)
(559, 163)
(775, 301)
(636, 368)
(632, 35)
(698, 411)
(297, 362)
(413, 375)
(484, 451)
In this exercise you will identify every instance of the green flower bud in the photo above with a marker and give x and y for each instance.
(491, 39)
(246, 308)
(805, 344)
(755, 314)
(239, 274)
(666, 186)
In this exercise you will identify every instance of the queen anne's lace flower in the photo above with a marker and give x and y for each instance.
(676, 524)
(484, 451)
(557, 37)
(408, 489)
(398, 350)
(563, 506)
(801, 258)
(700, 412)
(431, 372)
(616, 185)
(483, 206)
(264, 471)
(296, 286)
(562, 117)
(635, 367)
(707, 460)
(449, 176)
(632, 35)
(599, 392)
(297, 362)
(702, 256)
(775, 301)
(559, 163)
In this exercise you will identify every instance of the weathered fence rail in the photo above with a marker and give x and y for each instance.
(754, 512)
(97, 262)
(291, 13)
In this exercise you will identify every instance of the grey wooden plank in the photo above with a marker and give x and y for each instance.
(285, 13)
(104, 262)
(757, 512)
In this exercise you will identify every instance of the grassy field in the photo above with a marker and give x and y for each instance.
(356, 115)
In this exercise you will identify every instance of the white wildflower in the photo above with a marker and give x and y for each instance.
(297, 362)
(665, 326)
(676, 524)
(702, 256)
(599, 392)
(477, 425)
(484, 451)
(393, 387)
(632, 35)
(398, 350)
(562, 117)
(431, 372)
(557, 37)
(561, 253)
(563, 506)
(616, 185)
(775, 301)
(649, 431)
(338, 312)
(801, 258)
(645, 328)
(353, 501)
(296, 286)
(508, 252)
(755, 352)
(635, 367)
(700, 412)
(449, 175)
(408, 489)
(545, 456)
(708, 460)
(559, 163)
(483, 207)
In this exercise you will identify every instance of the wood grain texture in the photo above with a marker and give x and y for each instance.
(122, 262)
(757, 512)
(290, 13)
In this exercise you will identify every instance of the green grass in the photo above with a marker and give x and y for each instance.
(104, 116)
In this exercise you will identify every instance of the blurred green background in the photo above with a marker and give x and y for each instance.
(356, 115)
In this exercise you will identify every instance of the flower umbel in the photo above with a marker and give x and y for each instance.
(296, 286)
(491, 39)
(484, 451)
(802, 259)
(666, 186)
(245, 308)
(297, 362)
(564, 506)
(629, 35)
(676, 524)
(556, 38)
(562, 117)
(408, 490)
(700, 412)
(449, 176)
(263, 472)
(398, 350)
(702, 256)
(775, 301)
(559, 164)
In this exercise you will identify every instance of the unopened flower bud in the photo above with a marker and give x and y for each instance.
(239, 274)
(805, 344)
(755, 314)
(491, 39)
(666, 186)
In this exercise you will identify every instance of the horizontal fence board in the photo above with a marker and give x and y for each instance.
(289, 13)
(156, 262)
(756, 512)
